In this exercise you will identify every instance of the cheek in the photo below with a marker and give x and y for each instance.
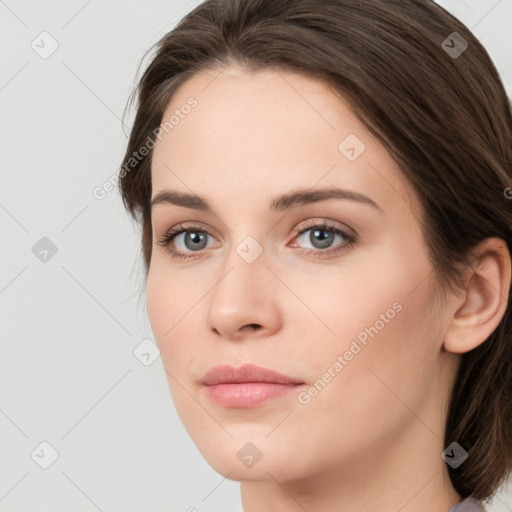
(389, 351)
(159, 304)
(172, 306)
(368, 398)
(166, 316)
(170, 295)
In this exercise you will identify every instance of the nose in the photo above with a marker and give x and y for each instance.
(244, 302)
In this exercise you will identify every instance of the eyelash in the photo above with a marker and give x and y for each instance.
(170, 235)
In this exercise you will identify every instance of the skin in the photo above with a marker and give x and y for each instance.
(372, 438)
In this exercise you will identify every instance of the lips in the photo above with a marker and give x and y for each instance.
(226, 374)
(246, 386)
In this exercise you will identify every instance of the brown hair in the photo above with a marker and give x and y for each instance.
(444, 117)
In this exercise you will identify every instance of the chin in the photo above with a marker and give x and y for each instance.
(243, 460)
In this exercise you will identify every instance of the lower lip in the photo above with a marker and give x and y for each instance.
(247, 394)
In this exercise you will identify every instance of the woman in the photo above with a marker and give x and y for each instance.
(326, 232)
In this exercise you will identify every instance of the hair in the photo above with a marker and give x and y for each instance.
(445, 119)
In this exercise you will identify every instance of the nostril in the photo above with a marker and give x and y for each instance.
(251, 326)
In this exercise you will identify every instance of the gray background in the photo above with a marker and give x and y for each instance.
(70, 324)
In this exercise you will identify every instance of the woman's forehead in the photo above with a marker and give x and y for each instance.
(242, 136)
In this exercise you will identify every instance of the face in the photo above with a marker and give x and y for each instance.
(331, 291)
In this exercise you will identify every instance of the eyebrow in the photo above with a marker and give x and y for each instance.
(278, 204)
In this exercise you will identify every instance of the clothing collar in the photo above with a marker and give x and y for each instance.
(468, 505)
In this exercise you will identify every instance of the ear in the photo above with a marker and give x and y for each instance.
(481, 307)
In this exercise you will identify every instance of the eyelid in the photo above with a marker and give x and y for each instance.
(330, 223)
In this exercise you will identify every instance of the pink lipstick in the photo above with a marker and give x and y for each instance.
(246, 386)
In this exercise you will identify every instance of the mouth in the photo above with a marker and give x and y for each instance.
(246, 386)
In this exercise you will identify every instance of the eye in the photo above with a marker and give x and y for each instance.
(322, 236)
(195, 239)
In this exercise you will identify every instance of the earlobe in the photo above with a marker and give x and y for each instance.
(484, 301)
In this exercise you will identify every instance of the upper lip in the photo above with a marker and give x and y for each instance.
(246, 373)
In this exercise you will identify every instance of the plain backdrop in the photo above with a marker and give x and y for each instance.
(76, 395)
